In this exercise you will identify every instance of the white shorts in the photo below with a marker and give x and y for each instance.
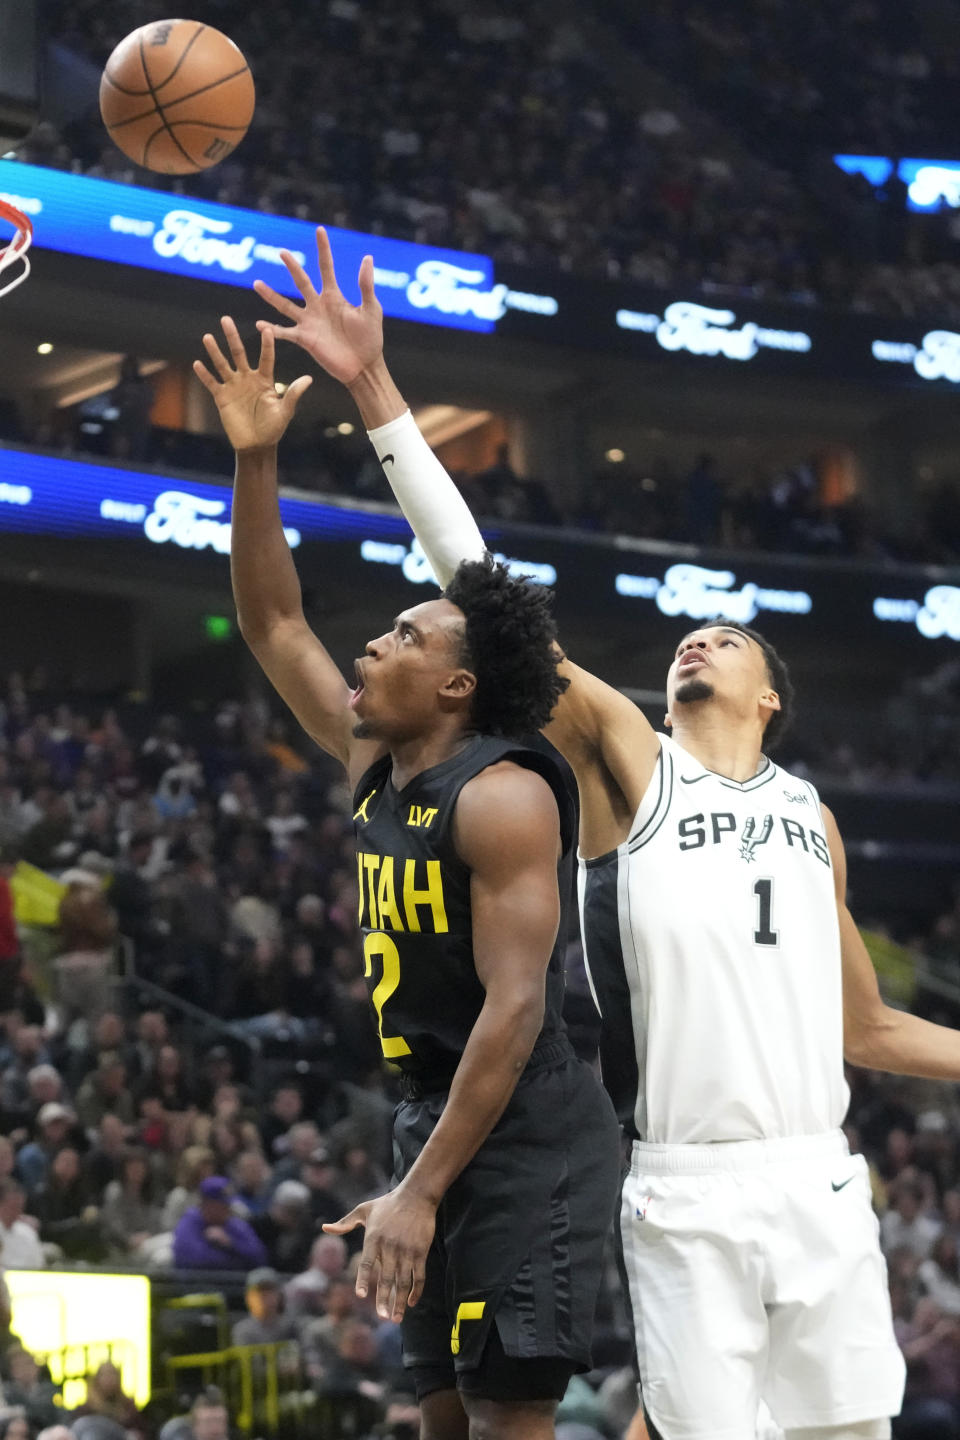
(756, 1274)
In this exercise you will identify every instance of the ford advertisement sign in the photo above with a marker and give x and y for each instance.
(179, 235)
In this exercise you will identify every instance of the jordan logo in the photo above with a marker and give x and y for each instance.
(749, 839)
(362, 812)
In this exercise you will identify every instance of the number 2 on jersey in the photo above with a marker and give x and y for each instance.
(378, 944)
(764, 933)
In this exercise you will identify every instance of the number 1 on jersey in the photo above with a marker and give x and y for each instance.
(764, 933)
(377, 943)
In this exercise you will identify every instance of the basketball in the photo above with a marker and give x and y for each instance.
(177, 96)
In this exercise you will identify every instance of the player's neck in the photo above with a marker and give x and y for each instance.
(409, 758)
(731, 750)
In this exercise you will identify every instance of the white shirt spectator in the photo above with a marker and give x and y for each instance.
(916, 1235)
(20, 1247)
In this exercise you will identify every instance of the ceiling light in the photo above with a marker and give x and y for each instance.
(615, 456)
(45, 348)
(345, 428)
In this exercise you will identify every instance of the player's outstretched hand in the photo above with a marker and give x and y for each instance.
(344, 339)
(399, 1231)
(252, 413)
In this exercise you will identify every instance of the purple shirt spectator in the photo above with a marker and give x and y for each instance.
(208, 1237)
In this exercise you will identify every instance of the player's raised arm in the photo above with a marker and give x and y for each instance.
(592, 721)
(265, 583)
(347, 342)
(875, 1034)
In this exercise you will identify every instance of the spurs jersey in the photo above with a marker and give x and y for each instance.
(713, 948)
(415, 906)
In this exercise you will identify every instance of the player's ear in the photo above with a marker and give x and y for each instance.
(667, 722)
(459, 684)
(770, 701)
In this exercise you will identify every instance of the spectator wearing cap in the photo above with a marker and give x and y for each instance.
(265, 1322)
(287, 1227)
(210, 1237)
(20, 1247)
(54, 1125)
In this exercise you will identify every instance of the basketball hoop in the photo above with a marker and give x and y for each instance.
(16, 249)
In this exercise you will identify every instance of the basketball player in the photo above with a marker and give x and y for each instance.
(731, 980)
(489, 1249)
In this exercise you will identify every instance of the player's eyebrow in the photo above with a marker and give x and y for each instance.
(717, 629)
(402, 621)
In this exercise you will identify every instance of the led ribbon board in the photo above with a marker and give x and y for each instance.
(46, 495)
(180, 235)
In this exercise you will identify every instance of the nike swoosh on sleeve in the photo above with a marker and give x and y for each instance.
(385, 458)
(835, 1187)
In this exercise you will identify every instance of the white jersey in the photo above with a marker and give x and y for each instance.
(713, 948)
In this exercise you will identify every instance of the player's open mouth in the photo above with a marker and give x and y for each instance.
(360, 684)
(692, 658)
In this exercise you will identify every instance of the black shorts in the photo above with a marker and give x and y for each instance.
(520, 1237)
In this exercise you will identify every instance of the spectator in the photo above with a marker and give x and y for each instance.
(196, 1164)
(904, 1226)
(209, 1419)
(940, 1275)
(306, 1292)
(286, 1229)
(20, 1247)
(30, 1389)
(295, 1148)
(321, 1337)
(209, 1237)
(66, 1217)
(130, 1212)
(265, 1323)
(251, 1178)
(105, 1092)
(285, 1109)
(320, 1177)
(106, 1397)
(103, 1160)
(54, 1125)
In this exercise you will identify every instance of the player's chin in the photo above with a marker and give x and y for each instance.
(689, 691)
(364, 730)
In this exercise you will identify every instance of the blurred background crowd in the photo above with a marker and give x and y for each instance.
(190, 1081)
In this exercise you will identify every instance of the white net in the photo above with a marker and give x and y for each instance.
(14, 260)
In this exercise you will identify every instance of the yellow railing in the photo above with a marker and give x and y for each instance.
(263, 1385)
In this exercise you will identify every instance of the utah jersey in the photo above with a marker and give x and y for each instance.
(415, 907)
(713, 947)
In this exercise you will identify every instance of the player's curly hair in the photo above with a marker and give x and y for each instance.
(779, 677)
(508, 644)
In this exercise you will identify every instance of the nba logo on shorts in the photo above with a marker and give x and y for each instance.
(642, 1207)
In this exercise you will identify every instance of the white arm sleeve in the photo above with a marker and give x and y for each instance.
(437, 512)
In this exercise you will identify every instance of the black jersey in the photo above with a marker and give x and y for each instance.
(415, 906)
